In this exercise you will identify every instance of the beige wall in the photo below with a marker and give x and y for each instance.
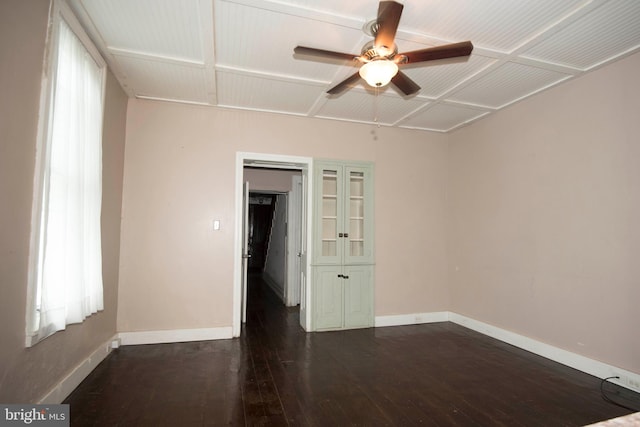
(544, 213)
(176, 272)
(27, 374)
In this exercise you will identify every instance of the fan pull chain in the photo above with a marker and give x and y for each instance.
(375, 114)
(376, 106)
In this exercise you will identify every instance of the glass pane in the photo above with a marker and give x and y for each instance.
(328, 248)
(329, 212)
(329, 207)
(356, 208)
(356, 231)
(329, 182)
(329, 228)
(356, 181)
(357, 248)
(356, 213)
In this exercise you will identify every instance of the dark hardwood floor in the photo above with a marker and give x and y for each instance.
(276, 375)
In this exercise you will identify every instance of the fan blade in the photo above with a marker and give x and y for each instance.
(439, 52)
(301, 50)
(388, 19)
(405, 84)
(343, 84)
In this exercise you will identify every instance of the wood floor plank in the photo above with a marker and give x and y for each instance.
(276, 375)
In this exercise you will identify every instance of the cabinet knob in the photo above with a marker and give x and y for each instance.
(340, 276)
(345, 277)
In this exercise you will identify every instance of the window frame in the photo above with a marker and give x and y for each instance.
(59, 11)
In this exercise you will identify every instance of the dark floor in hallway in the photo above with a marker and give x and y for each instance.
(433, 375)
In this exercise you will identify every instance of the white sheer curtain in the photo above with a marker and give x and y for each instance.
(69, 286)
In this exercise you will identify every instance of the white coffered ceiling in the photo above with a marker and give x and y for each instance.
(239, 53)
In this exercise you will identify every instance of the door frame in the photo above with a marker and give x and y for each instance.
(274, 161)
(294, 241)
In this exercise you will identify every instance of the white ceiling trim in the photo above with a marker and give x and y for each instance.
(302, 12)
(173, 100)
(206, 19)
(531, 93)
(431, 105)
(270, 76)
(615, 58)
(560, 68)
(154, 57)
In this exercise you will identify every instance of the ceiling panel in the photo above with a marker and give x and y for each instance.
(443, 117)
(492, 24)
(365, 106)
(264, 94)
(167, 28)
(165, 80)
(250, 38)
(359, 10)
(437, 78)
(604, 33)
(507, 84)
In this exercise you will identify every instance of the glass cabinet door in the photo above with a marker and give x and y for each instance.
(356, 214)
(329, 248)
(344, 214)
(356, 233)
(329, 213)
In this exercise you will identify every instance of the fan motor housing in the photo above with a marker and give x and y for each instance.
(371, 52)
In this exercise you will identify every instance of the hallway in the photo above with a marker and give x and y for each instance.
(435, 375)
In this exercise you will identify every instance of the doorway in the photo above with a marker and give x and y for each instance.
(261, 209)
(270, 239)
(241, 255)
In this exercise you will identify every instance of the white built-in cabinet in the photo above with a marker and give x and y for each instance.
(342, 257)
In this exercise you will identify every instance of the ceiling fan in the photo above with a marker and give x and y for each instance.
(380, 57)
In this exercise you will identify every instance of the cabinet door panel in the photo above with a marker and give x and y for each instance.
(358, 296)
(358, 215)
(329, 211)
(328, 297)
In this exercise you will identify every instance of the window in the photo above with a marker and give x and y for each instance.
(65, 282)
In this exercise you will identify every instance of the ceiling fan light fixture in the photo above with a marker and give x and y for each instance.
(380, 58)
(378, 73)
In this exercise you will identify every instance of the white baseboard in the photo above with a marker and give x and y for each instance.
(593, 367)
(175, 335)
(69, 383)
(411, 319)
(628, 379)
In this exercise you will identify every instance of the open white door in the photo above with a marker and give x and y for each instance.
(245, 247)
(305, 314)
(294, 241)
